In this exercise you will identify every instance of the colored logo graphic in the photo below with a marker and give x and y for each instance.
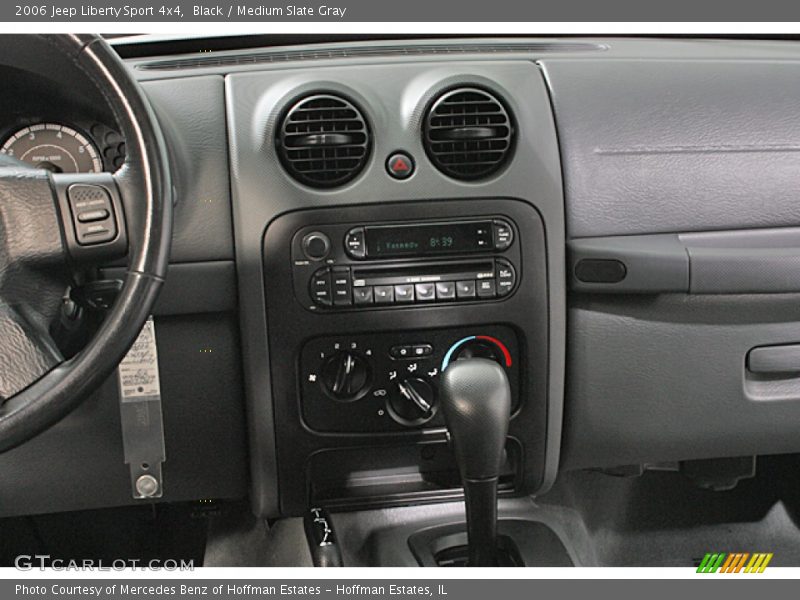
(736, 562)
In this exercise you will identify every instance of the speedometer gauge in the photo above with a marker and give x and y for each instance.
(54, 147)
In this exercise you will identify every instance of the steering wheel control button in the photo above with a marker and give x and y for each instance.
(355, 243)
(404, 292)
(465, 289)
(400, 165)
(342, 290)
(321, 288)
(92, 214)
(503, 235)
(426, 292)
(363, 295)
(446, 290)
(384, 294)
(316, 246)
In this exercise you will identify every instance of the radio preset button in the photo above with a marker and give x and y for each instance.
(384, 294)
(446, 290)
(486, 288)
(465, 289)
(321, 287)
(363, 295)
(426, 292)
(503, 235)
(355, 243)
(404, 293)
(342, 291)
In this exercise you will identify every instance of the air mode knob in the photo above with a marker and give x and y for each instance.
(346, 376)
(413, 403)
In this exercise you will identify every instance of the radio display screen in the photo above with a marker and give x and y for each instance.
(424, 239)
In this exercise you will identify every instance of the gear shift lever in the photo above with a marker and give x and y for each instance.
(476, 400)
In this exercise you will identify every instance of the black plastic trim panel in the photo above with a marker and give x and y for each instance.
(291, 325)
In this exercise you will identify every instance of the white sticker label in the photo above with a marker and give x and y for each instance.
(138, 371)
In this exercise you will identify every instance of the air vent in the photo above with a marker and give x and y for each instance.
(468, 133)
(323, 141)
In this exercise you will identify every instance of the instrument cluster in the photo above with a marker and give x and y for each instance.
(63, 148)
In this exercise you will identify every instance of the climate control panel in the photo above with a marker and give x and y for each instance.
(388, 382)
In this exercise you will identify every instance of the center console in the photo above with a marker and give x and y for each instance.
(367, 306)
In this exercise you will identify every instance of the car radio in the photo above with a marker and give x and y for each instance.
(423, 239)
(380, 265)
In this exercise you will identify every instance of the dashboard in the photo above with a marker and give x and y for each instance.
(352, 216)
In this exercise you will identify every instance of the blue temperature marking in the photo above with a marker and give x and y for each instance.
(453, 348)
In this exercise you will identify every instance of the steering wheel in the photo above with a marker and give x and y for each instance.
(48, 237)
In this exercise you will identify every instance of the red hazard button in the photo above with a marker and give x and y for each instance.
(400, 165)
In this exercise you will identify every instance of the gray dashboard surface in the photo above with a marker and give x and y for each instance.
(665, 378)
(192, 115)
(679, 145)
(394, 100)
(704, 150)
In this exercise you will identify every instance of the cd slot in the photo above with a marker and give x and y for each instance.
(423, 273)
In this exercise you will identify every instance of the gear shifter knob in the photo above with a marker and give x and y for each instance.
(476, 400)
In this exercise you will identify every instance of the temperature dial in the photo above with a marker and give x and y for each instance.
(413, 403)
(346, 376)
(478, 346)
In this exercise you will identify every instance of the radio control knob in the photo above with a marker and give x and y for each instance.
(346, 376)
(413, 403)
(316, 245)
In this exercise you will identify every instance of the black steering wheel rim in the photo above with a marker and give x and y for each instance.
(145, 187)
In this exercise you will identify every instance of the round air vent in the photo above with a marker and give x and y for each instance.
(323, 140)
(468, 133)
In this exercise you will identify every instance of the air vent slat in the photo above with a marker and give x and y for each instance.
(468, 133)
(323, 141)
